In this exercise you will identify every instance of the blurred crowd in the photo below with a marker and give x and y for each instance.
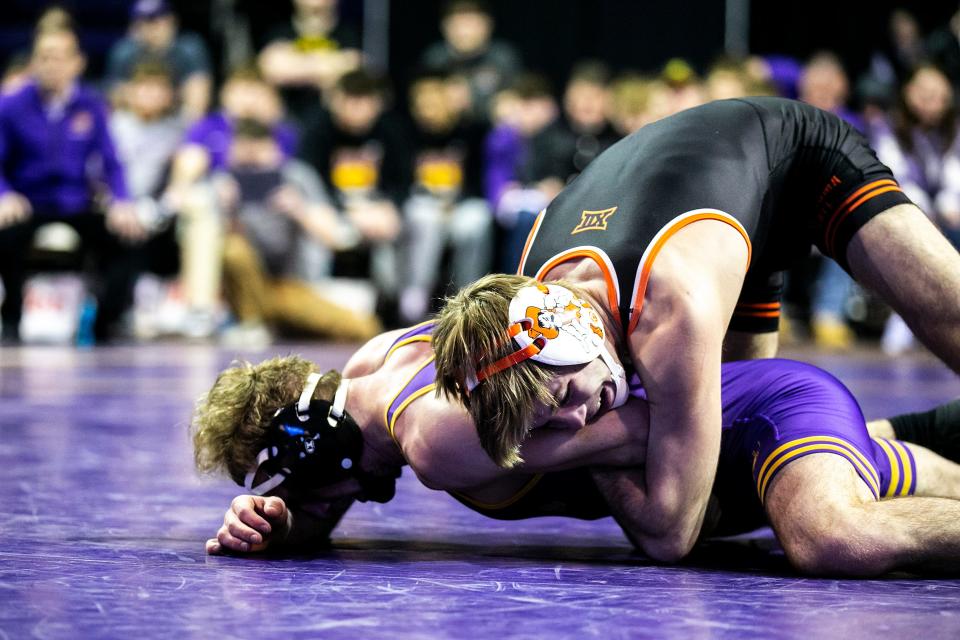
(306, 195)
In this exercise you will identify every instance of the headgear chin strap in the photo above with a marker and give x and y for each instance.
(312, 444)
(553, 326)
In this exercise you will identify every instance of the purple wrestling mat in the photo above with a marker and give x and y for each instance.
(103, 522)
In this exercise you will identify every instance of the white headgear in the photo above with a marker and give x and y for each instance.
(553, 326)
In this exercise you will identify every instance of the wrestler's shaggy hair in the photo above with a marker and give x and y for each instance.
(230, 421)
(471, 331)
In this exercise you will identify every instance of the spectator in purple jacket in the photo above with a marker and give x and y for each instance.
(245, 95)
(58, 163)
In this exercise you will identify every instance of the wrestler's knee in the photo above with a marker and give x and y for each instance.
(837, 544)
(821, 512)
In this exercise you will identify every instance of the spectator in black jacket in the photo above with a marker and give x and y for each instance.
(362, 153)
(446, 204)
(478, 64)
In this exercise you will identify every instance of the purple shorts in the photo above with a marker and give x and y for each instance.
(778, 411)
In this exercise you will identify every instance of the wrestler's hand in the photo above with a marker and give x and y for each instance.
(251, 524)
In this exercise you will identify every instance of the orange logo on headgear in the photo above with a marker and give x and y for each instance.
(594, 220)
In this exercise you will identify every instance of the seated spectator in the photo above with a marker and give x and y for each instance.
(943, 49)
(244, 95)
(523, 183)
(154, 33)
(307, 55)
(58, 163)
(825, 85)
(901, 50)
(275, 204)
(922, 148)
(636, 101)
(478, 64)
(446, 204)
(205, 149)
(585, 106)
(362, 154)
(728, 78)
(685, 88)
(147, 132)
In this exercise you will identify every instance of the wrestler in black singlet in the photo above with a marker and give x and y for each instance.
(784, 174)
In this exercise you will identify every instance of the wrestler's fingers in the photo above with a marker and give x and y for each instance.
(274, 506)
(213, 547)
(240, 531)
(248, 515)
(229, 543)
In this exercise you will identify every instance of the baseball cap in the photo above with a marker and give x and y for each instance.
(147, 9)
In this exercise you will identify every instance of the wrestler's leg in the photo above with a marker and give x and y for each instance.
(902, 256)
(743, 345)
(937, 477)
(829, 523)
(753, 329)
(881, 429)
(937, 429)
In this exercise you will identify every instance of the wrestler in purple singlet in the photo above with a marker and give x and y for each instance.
(774, 412)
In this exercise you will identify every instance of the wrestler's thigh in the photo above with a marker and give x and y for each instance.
(902, 256)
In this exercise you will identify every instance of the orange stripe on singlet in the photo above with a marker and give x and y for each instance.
(758, 309)
(665, 234)
(612, 294)
(848, 206)
(530, 236)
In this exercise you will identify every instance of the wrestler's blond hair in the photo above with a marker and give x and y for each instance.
(230, 420)
(471, 331)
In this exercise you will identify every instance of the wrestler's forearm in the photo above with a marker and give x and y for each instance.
(625, 493)
(616, 439)
(681, 375)
(305, 529)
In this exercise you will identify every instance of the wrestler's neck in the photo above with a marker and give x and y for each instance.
(380, 451)
(587, 276)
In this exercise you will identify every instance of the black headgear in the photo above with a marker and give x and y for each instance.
(314, 443)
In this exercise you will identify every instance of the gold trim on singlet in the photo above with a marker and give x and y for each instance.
(386, 409)
(661, 237)
(493, 506)
(403, 405)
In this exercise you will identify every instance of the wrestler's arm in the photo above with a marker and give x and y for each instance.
(677, 347)
(440, 443)
(254, 523)
(369, 357)
(618, 438)
(740, 345)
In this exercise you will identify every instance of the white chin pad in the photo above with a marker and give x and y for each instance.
(572, 328)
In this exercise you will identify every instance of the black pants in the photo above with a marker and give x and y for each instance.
(115, 263)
